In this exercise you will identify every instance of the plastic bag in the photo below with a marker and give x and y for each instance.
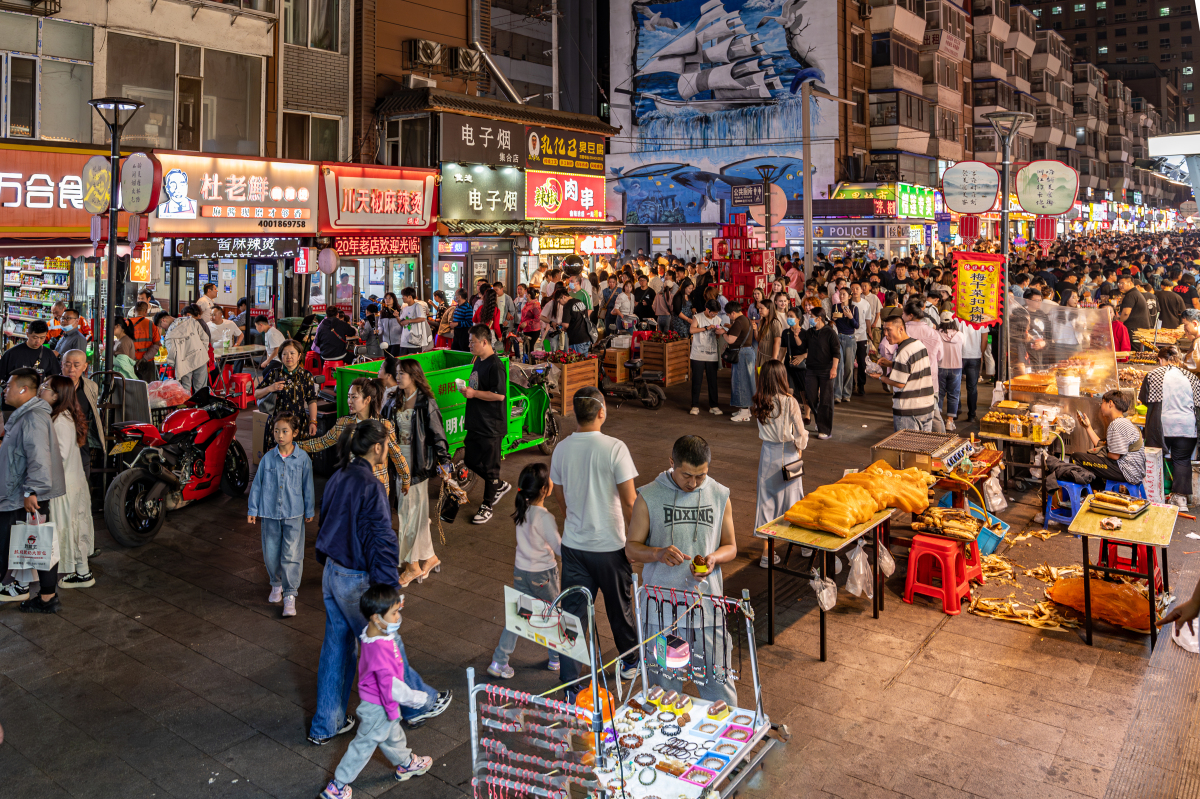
(1119, 604)
(167, 394)
(1186, 639)
(887, 564)
(993, 495)
(859, 582)
(826, 591)
(989, 361)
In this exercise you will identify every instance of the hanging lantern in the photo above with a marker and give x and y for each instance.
(968, 228)
(1045, 231)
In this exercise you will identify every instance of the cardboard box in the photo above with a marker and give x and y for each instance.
(259, 432)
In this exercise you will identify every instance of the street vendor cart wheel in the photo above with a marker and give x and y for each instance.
(550, 434)
(132, 518)
(237, 471)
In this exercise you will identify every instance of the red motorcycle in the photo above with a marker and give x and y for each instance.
(193, 456)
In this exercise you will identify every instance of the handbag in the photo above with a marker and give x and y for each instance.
(32, 545)
(793, 470)
(730, 356)
(267, 403)
(448, 510)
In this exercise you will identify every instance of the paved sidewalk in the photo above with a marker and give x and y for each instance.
(173, 677)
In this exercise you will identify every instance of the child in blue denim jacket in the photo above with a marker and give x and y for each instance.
(282, 497)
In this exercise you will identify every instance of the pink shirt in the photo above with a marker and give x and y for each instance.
(796, 277)
(952, 344)
(932, 341)
(379, 664)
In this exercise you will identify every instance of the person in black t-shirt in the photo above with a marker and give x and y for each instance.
(574, 321)
(30, 354)
(333, 336)
(1133, 312)
(1170, 305)
(485, 420)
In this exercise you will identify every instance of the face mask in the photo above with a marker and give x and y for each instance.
(68, 328)
(791, 321)
(392, 628)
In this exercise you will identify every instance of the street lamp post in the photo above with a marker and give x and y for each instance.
(116, 113)
(806, 95)
(1006, 123)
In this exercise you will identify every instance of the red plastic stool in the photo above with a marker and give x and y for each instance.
(1110, 556)
(166, 373)
(312, 363)
(942, 560)
(973, 563)
(241, 390)
(327, 378)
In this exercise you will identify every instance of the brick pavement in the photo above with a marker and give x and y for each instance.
(173, 677)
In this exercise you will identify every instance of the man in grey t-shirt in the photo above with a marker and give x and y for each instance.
(593, 483)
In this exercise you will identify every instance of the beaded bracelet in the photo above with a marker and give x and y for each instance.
(726, 749)
(737, 735)
(623, 726)
(742, 719)
(635, 715)
(671, 729)
(712, 763)
(666, 717)
(642, 776)
(707, 727)
(645, 759)
(630, 740)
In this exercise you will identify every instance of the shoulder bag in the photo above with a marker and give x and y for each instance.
(796, 468)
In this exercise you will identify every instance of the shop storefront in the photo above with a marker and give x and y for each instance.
(239, 224)
(45, 248)
(481, 207)
(891, 220)
(381, 222)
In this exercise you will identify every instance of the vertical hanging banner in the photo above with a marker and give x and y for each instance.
(978, 288)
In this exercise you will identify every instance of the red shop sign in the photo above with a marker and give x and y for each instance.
(553, 195)
(377, 199)
(377, 245)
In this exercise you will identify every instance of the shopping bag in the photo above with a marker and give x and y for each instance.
(826, 591)
(1185, 638)
(33, 545)
(887, 564)
(859, 582)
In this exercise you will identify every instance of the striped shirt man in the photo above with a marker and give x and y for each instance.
(912, 376)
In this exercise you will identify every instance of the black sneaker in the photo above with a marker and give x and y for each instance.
(347, 725)
(77, 581)
(439, 707)
(501, 491)
(14, 592)
(484, 515)
(38, 605)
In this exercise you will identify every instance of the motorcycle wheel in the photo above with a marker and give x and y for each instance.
(128, 520)
(237, 471)
(465, 478)
(654, 397)
(550, 434)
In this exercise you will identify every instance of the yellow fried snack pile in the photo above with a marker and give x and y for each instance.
(853, 500)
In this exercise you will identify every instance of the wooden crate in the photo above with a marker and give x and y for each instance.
(671, 358)
(574, 377)
(614, 365)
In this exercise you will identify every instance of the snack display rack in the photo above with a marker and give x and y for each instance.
(31, 287)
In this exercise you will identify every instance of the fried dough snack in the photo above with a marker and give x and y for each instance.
(853, 500)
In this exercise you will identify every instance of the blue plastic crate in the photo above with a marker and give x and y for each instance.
(987, 540)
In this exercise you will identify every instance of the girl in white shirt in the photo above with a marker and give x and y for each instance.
(784, 437)
(536, 570)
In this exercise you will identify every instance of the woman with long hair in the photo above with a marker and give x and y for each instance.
(681, 309)
(412, 410)
(781, 429)
(72, 512)
(365, 399)
(489, 314)
(770, 331)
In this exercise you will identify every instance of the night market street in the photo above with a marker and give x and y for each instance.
(172, 677)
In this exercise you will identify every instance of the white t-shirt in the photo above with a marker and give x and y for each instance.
(274, 340)
(412, 335)
(225, 330)
(1178, 412)
(537, 541)
(589, 467)
(206, 306)
(864, 319)
(704, 344)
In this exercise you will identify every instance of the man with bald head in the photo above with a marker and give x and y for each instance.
(87, 393)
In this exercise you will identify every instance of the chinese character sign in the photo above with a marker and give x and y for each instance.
(481, 194)
(564, 151)
(1047, 187)
(475, 140)
(978, 288)
(377, 245)
(377, 199)
(970, 187)
(550, 195)
(914, 201)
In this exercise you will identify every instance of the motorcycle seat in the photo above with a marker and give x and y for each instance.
(634, 364)
(652, 377)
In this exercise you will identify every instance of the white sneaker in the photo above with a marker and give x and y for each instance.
(715, 411)
(741, 416)
(949, 424)
(762, 562)
(276, 594)
(289, 606)
(504, 672)
(694, 411)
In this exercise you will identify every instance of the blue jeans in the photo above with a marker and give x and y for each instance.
(664, 322)
(843, 386)
(971, 368)
(338, 666)
(741, 385)
(283, 552)
(582, 349)
(924, 422)
(949, 386)
(541, 585)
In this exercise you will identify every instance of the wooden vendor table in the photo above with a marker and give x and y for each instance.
(1153, 528)
(827, 544)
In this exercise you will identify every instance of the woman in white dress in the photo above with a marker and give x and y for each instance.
(412, 409)
(784, 437)
(72, 512)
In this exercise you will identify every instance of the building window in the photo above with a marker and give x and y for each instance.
(1187, 87)
(1081, 37)
(1122, 60)
(1101, 21)
(1037, 12)
(1081, 52)
(1122, 47)
(1101, 35)
(1119, 18)
(1103, 51)
(1141, 15)
(311, 138)
(1164, 12)
(1186, 25)
(1142, 29)
(1103, 4)
(1191, 118)
(1081, 23)
(1164, 56)
(1057, 25)
(1164, 26)
(859, 115)
(1141, 45)
(1164, 43)
(1187, 70)
(1055, 9)
(49, 79)
(312, 23)
(1080, 7)
(893, 50)
(406, 142)
(1142, 59)
(1121, 31)
(1185, 39)
(1186, 55)
(857, 47)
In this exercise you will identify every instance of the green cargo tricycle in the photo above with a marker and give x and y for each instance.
(530, 420)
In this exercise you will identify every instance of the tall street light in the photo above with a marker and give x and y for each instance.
(1006, 123)
(116, 113)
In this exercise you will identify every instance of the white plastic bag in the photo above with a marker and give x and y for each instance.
(859, 582)
(993, 495)
(887, 564)
(1185, 637)
(989, 360)
(826, 591)
(33, 544)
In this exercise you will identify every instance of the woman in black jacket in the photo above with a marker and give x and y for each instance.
(412, 409)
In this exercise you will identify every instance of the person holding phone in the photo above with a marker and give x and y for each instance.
(845, 319)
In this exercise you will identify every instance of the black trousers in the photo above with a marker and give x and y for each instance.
(818, 387)
(48, 579)
(796, 380)
(1103, 468)
(607, 573)
(482, 456)
(708, 370)
(860, 364)
(1179, 452)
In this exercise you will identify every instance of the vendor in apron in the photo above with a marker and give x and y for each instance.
(683, 514)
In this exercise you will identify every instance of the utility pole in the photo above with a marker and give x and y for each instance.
(806, 95)
(554, 54)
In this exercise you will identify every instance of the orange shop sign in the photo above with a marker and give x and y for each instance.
(41, 192)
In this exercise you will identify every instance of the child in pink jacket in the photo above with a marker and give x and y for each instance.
(381, 690)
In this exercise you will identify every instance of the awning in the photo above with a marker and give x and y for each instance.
(415, 101)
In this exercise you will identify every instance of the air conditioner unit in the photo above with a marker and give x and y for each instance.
(466, 60)
(419, 82)
(864, 10)
(425, 53)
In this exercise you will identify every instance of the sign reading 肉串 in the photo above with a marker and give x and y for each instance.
(1048, 188)
(978, 296)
